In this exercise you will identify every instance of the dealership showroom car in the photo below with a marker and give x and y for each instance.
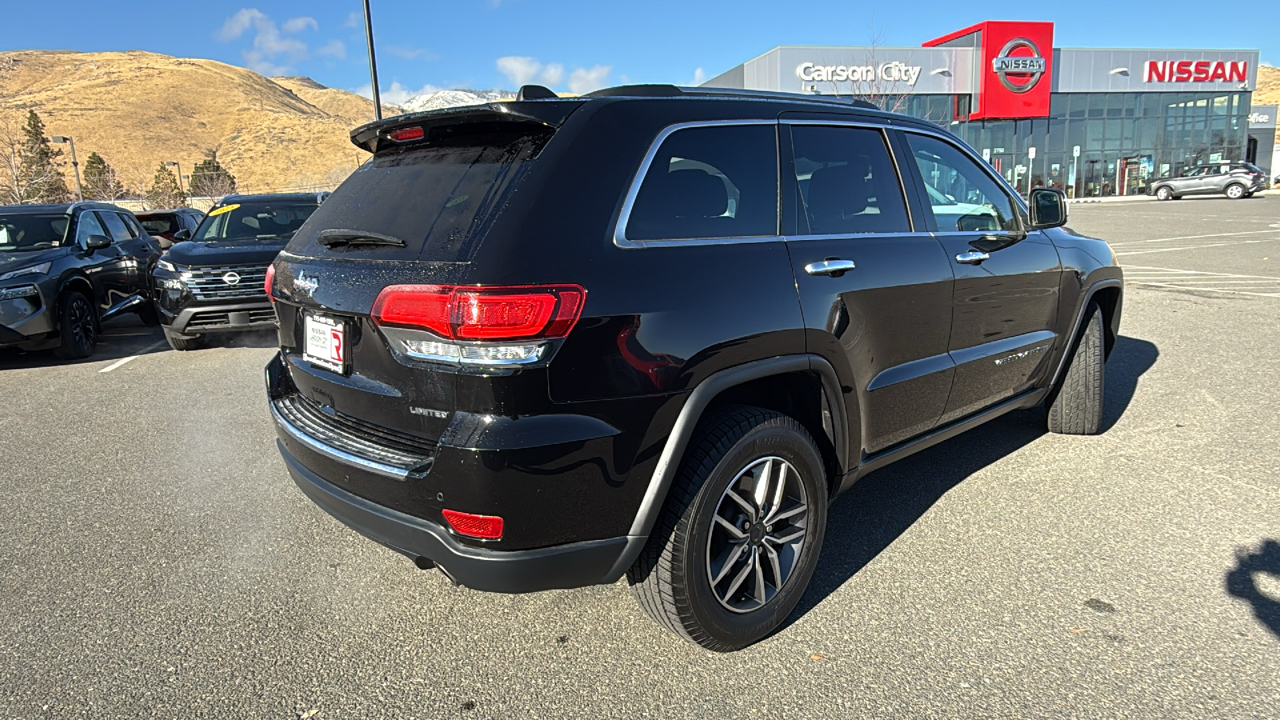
(66, 268)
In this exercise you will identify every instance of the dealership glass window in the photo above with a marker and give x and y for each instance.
(962, 196)
(847, 182)
(709, 182)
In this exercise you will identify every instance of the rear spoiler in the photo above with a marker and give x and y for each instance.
(547, 113)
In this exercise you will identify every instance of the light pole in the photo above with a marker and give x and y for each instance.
(75, 166)
(179, 166)
(373, 63)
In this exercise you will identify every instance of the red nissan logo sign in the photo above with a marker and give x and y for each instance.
(1019, 65)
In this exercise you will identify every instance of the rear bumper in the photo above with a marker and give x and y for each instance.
(512, 571)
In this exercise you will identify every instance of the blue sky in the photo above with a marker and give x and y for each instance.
(578, 45)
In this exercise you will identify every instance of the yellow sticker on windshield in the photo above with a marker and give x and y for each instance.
(223, 209)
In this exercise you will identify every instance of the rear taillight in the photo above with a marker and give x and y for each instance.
(407, 134)
(511, 325)
(486, 527)
(271, 277)
(482, 313)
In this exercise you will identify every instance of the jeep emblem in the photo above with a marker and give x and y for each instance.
(306, 284)
(1028, 68)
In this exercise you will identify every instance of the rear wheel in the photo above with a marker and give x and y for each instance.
(78, 327)
(739, 536)
(1164, 193)
(183, 342)
(1235, 191)
(1076, 406)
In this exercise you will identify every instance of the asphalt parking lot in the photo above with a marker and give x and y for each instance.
(160, 562)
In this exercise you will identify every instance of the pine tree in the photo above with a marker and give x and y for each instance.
(40, 170)
(210, 179)
(100, 180)
(165, 192)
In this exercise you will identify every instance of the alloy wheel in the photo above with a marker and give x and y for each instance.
(757, 534)
(82, 328)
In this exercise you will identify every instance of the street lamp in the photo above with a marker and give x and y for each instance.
(373, 64)
(75, 166)
(179, 166)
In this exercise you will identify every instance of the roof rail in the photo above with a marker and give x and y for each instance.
(779, 95)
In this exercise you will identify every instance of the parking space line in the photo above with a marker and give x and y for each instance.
(1193, 247)
(1194, 237)
(124, 360)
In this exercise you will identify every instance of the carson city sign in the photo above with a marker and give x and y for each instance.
(888, 72)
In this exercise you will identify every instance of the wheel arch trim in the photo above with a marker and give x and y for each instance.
(1069, 339)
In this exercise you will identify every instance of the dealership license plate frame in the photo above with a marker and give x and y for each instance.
(325, 326)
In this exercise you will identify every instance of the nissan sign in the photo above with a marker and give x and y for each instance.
(892, 72)
(1021, 71)
(1195, 71)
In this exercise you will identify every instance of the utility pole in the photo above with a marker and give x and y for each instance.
(179, 166)
(75, 166)
(373, 63)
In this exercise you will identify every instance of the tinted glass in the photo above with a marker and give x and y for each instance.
(115, 225)
(21, 232)
(255, 219)
(962, 197)
(847, 181)
(439, 196)
(135, 230)
(710, 182)
(88, 225)
(165, 225)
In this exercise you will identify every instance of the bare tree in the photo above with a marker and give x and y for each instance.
(21, 180)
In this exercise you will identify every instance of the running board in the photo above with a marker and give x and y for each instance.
(1024, 400)
(127, 304)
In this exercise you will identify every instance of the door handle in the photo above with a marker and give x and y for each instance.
(830, 266)
(973, 257)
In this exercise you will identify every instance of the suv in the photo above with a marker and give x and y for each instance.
(170, 226)
(66, 268)
(653, 331)
(214, 281)
(1234, 179)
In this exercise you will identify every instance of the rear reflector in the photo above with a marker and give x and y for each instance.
(271, 276)
(488, 527)
(405, 134)
(528, 312)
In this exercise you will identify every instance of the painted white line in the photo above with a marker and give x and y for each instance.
(1194, 237)
(122, 361)
(1194, 247)
(1142, 268)
(1206, 289)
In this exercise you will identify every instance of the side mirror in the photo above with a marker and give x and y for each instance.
(1048, 208)
(183, 234)
(97, 242)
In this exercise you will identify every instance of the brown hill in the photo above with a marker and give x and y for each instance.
(1268, 90)
(139, 109)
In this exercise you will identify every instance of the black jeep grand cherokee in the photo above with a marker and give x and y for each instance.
(654, 331)
(213, 281)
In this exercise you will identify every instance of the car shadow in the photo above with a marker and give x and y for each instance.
(864, 521)
(121, 337)
(1241, 582)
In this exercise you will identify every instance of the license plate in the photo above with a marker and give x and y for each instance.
(326, 343)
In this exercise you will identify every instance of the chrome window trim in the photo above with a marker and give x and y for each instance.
(619, 228)
(883, 129)
(857, 236)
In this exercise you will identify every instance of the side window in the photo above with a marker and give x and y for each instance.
(710, 182)
(847, 181)
(88, 225)
(962, 197)
(135, 230)
(115, 225)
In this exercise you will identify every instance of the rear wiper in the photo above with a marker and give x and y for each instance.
(349, 238)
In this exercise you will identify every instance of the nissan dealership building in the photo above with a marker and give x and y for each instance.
(1093, 122)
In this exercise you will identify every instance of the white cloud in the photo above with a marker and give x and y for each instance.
(397, 93)
(584, 80)
(298, 24)
(354, 20)
(552, 74)
(519, 70)
(410, 53)
(699, 77)
(334, 49)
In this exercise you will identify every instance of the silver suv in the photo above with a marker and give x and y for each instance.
(1234, 179)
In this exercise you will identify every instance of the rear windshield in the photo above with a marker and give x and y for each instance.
(255, 219)
(438, 198)
(160, 224)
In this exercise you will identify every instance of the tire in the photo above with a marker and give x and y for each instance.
(1248, 194)
(1234, 191)
(1164, 193)
(182, 343)
(77, 326)
(672, 579)
(1076, 406)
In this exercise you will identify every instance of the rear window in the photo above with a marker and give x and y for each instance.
(160, 224)
(438, 197)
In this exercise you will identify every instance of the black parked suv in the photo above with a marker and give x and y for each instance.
(653, 331)
(212, 281)
(66, 268)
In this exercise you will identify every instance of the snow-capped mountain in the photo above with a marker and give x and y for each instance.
(453, 98)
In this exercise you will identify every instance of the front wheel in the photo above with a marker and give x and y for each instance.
(1235, 191)
(739, 536)
(78, 327)
(183, 342)
(1164, 193)
(1076, 406)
